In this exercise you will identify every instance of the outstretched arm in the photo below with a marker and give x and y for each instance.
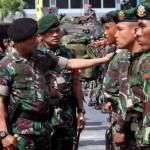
(87, 63)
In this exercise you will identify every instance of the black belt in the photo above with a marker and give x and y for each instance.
(39, 117)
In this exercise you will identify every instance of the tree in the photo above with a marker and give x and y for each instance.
(146, 1)
(11, 6)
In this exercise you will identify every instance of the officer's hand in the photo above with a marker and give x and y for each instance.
(119, 138)
(108, 106)
(80, 121)
(108, 57)
(9, 142)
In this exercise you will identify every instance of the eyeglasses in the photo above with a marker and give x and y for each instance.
(52, 31)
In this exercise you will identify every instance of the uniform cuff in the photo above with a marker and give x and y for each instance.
(4, 90)
(61, 63)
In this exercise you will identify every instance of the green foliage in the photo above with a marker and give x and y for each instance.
(11, 6)
(145, 1)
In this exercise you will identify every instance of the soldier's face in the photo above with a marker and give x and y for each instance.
(52, 37)
(125, 35)
(29, 45)
(110, 30)
(143, 34)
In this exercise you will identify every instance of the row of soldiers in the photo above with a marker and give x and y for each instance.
(126, 85)
(40, 91)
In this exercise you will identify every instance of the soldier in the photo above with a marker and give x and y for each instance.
(125, 39)
(24, 82)
(108, 21)
(113, 79)
(65, 126)
(139, 79)
(90, 13)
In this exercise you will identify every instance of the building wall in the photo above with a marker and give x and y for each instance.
(74, 7)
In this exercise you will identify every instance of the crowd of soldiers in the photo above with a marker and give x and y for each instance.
(41, 97)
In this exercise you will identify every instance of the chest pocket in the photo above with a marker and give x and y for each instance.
(23, 81)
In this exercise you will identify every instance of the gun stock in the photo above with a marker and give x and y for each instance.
(76, 140)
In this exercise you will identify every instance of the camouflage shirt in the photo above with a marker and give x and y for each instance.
(66, 109)
(139, 92)
(25, 83)
(116, 76)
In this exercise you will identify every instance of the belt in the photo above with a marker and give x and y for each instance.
(38, 117)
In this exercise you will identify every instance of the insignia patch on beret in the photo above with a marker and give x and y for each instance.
(121, 15)
(141, 11)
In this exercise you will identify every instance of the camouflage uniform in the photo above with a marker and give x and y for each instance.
(139, 96)
(64, 119)
(25, 83)
(114, 89)
(111, 80)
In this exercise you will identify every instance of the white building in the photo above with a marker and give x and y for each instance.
(73, 7)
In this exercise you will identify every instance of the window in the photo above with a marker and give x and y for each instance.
(76, 4)
(86, 1)
(53, 2)
(95, 3)
(30, 4)
(62, 4)
(45, 3)
(109, 3)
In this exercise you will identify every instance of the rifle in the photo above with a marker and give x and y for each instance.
(1, 145)
(109, 139)
(76, 140)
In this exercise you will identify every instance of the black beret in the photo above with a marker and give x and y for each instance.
(22, 29)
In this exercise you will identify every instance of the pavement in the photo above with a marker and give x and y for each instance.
(93, 136)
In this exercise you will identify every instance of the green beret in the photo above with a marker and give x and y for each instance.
(109, 17)
(143, 11)
(126, 16)
(22, 29)
(46, 22)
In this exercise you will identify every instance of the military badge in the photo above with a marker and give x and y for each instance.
(141, 11)
(121, 15)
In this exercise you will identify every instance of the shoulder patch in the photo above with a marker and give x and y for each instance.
(145, 65)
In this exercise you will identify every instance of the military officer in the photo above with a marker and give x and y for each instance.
(71, 93)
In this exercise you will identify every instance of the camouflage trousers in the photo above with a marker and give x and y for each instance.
(34, 142)
(62, 139)
(64, 126)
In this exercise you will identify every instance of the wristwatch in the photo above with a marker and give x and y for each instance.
(3, 134)
(81, 110)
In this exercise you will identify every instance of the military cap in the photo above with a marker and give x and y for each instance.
(46, 22)
(126, 16)
(143, 11)
(22, 29)
(109, 17)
